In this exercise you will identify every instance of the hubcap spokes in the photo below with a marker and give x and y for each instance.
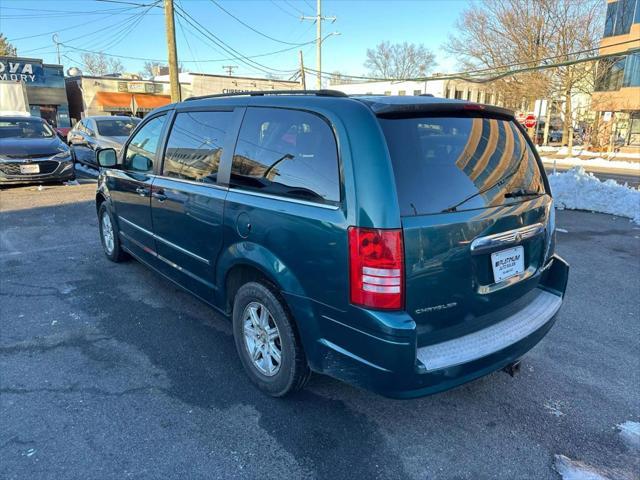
(107, 232)
(262, 339)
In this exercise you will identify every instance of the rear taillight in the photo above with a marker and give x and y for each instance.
(376, 268)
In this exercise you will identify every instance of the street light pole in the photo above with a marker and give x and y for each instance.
(172, 50)
(318, 18)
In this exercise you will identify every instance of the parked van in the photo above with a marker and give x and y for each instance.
(401, 244)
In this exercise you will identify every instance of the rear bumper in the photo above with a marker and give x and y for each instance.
(390, 364)
(64, 171)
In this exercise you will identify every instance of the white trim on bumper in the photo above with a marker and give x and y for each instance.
(491, 339)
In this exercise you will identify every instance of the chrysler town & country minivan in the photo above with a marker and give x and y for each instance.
(401, 244)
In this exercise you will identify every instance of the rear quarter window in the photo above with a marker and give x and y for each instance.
(441, 161)
(288, 153)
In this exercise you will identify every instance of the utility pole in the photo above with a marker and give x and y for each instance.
(318, 18)
(303, 79)
(229, 69)
(173, 53)
(55, 40)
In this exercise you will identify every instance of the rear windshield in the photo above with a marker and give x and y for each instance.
(459, 163)
(116, 128)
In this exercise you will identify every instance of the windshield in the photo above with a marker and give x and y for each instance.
(115, 128)
(25, 128)
(467, 162)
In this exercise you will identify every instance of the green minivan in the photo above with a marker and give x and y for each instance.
(400, 244)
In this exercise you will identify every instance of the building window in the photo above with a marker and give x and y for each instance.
(448, 95)
(620, 17)
(458, 94)
(624, 16)
(631, 76)
(634, 129)
(610, 73)
(610, 19)
(417, 92)
(402, 93)
(387, 93)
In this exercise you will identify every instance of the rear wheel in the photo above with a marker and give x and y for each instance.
(109, 235)
(267, 342)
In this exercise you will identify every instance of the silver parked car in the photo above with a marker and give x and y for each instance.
(93, 133)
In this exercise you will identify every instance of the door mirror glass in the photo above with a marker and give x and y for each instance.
(140, 163)
(107, 157)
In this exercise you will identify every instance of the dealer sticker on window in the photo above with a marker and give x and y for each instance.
(507, 263)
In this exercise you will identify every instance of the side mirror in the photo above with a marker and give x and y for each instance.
(140, 163)
(107, 157)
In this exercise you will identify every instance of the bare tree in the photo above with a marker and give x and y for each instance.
(151, 69)
(399, 60)
(100, 64)
(502, 35)
(338, 78)
(6, 49)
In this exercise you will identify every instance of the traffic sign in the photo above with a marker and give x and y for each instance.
(530, 121)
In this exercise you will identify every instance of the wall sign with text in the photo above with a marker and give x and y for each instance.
(21, 70)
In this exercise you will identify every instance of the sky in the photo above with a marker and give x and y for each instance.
(122, 29)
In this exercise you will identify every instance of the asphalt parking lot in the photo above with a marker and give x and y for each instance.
(109, 371)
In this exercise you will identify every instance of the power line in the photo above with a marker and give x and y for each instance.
(294, 7)
(480, 70)
(498, 76)
(284, 10)
(124, 2)
(186, 40)
(227, 48)
(252, 28)
(59, 30)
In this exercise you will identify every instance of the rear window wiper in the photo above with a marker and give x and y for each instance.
(522, 193)
(500, 181)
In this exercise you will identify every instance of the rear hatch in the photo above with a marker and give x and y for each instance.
(475, 209)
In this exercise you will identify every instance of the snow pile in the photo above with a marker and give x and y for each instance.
(630, 432)
(579, 190)
(580, 151)
(92, 172)
(547, 148)
(594, 162)
(575, 470)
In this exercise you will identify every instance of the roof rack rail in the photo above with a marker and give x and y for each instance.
(319, 93)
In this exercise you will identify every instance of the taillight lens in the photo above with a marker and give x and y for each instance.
(376, 268)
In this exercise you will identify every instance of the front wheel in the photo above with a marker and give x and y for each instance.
(109, 235)
(266, 341)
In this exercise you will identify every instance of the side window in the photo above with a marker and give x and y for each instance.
(195, 145)
(88, 127)
(141, 151)
(289, 153)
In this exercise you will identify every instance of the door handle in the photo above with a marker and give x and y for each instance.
(159, 195)
(142, 191)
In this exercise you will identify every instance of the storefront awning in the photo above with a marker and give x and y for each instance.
(146, 103)
(114, 101)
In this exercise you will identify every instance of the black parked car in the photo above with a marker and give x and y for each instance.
(31, 152)
(92, 133)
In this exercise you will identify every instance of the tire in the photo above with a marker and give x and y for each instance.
(292, 372)
(112, 249)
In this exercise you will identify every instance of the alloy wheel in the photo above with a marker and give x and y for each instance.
(107, 233)
(262, 339)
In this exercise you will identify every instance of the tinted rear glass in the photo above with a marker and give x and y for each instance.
(287, 153)
(441, 161)
(116, 128)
